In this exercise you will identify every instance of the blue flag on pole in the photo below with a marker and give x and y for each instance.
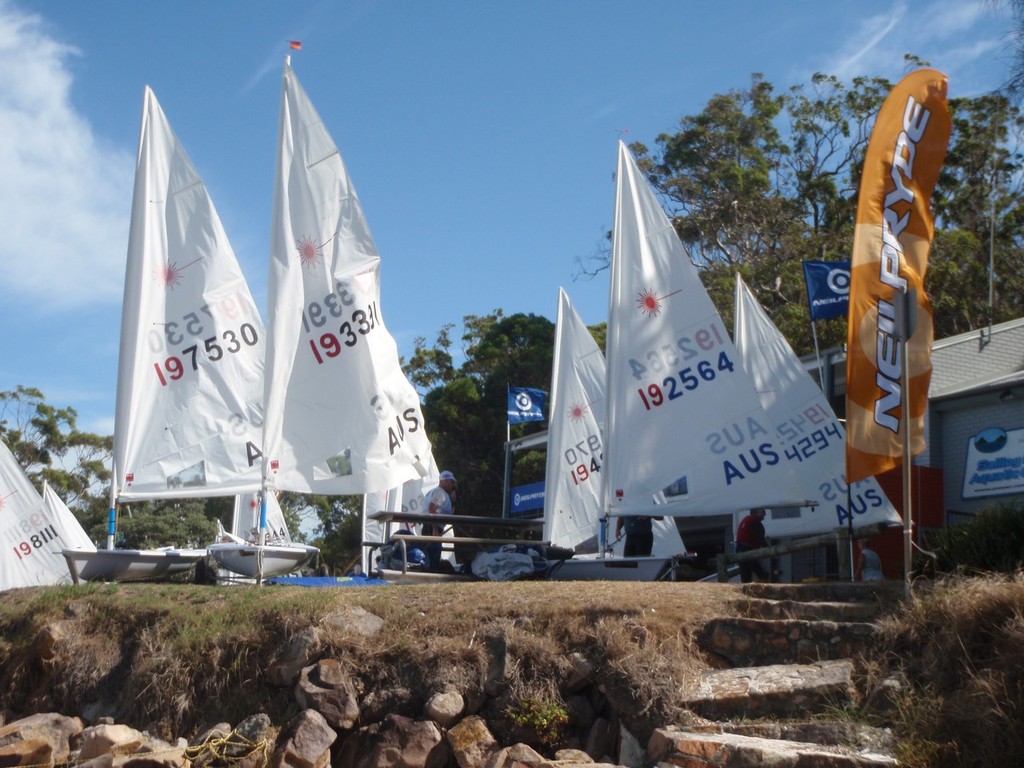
(828, 288)
(526, 404)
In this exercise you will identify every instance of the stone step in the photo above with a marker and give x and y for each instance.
(887, 594)
(777, 691)
(751, 642)
(766, 608)
(679, 748)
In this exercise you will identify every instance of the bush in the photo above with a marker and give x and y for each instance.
(993, 542)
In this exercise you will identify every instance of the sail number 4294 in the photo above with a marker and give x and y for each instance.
(672, 387)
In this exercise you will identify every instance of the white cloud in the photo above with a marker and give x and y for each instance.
(948, 33)
(65, 197)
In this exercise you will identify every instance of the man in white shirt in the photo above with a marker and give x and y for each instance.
(438, 502)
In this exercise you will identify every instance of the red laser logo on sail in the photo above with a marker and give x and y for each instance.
(309, 251)
(650, 303)
(170, 275)
(577, 411)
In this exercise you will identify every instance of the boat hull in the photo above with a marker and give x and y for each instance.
(254, 561)
(129, 564)
(611, 569)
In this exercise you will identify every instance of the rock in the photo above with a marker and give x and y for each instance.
(293, 656)
(110, 739)
(398, 742)
(60, 732)
(472, 743)
(601, 739)
(631, 753)
(497, 663)
(356, 620)
(327, 687)
(34, 752)
(516, 756)
(573, 756)
(381, 702)
(582, 673)
(305, 742)
(444, 708)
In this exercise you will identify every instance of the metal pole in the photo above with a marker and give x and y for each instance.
(910, 306)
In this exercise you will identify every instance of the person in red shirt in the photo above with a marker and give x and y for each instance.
(750, 535)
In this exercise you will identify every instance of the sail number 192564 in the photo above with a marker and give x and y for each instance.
(672, 387)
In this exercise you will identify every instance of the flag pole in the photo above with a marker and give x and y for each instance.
(908, 299)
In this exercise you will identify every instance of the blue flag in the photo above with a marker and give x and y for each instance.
(828, 288)
(526, 404)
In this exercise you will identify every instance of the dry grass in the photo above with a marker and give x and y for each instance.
(177, 657)
(961, 646)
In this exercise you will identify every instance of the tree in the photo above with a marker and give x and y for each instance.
(49, 446)
(758, 182)
(465, 411)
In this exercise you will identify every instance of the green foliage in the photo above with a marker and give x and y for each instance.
(181, 522)
(465, 412)
(993, 542)
(48, 446)
(545, 721)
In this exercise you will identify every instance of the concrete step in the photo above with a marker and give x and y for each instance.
(765, 608)
(777, 691)
(677, 748)
(752, 642)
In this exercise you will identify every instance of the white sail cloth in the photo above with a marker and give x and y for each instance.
(35, 530)
(188, 419)
(572, 491)
(683, 423)
(812, 439)
(341, 417)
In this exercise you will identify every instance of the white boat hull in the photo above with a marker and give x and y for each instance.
(129, 564)
(610, 569)
(254, 561)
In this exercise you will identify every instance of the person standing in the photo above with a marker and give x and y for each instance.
(438, 502)
(639, 535)
(869, 564)
(749, 536)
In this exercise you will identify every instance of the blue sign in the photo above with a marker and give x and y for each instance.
(526, 498)
(526, 404)
(828, 288)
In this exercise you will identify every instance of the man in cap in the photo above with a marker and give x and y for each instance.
(438, 502)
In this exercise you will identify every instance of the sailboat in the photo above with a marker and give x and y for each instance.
(812, 439)
(572, 498)
(341, 416)
(240, 551)
(189, 411)
(35, 530)
(685, 433)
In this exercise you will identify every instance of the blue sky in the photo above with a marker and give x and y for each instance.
(480, 136)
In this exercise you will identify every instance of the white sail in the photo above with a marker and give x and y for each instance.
(188, 418)
(341, 417)
(812, 439)
(245, 520)
(572, 490)
(34, 532)
(683, 423)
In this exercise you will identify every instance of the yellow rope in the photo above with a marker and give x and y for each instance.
(219, 746)
(229, 749)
